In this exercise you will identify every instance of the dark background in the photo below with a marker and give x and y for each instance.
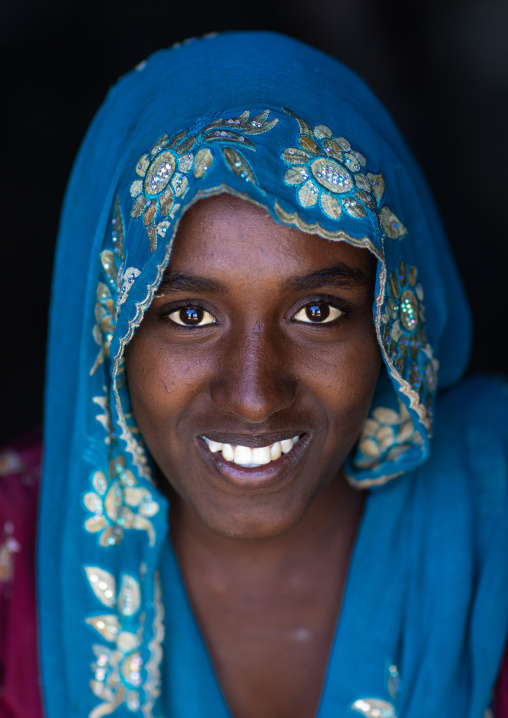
(440, 66)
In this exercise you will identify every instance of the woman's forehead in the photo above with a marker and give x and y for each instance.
(229, 235)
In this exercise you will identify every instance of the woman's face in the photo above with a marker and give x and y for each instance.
(253, 369)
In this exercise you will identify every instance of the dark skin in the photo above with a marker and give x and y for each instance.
(259, 333)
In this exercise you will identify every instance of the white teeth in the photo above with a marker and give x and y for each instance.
(286, 445)
(242, 456)
(227, 452)
(275, 451)
(261, 456)
(245, 456)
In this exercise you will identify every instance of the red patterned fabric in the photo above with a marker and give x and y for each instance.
(20, 467)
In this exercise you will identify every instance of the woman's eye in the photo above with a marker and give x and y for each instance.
(191, 317)
(317, 313)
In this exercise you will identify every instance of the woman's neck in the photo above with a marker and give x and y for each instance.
(325, 533)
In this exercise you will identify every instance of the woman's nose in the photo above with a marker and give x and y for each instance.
(253, 379)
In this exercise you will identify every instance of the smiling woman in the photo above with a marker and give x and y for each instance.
(255, 353)
(255, 500)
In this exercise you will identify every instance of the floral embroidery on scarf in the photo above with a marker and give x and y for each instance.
(118, 503)
(118, 668)
(403, 334)
(163, 171)
(385, 436)
(326, 170)
(112, 293)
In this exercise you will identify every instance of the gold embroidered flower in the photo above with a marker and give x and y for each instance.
(163, 171)
(386, 435)
(105, 317)
(113, 292)
(329, 172)
(117, 667)
(163, 178)
(118, 504)
(404, 337)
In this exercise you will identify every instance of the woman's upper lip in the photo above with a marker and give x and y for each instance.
(252, 440)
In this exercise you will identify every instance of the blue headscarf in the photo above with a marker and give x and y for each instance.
(424, 616)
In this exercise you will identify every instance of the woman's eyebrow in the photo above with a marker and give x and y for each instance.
(340, 275)
(176, 282)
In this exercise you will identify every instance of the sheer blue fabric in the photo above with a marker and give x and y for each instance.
(425, 613)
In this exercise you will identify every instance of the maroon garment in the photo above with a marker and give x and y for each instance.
(20, 469)
(501, 691)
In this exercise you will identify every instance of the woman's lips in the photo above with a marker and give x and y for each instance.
(253, 467)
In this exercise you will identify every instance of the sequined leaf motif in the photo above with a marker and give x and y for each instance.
(185, 163)
(321, 131)
(362, 182)
(354, 208)
(142, 165)
(386, 416)
(138, 206)
(109, 265)
(133, 496)
(343, 143)
(92, 502)
(239, 165)
(374, 708)
(159, 145)
(378, 185)
(366, 198)
(162, 228)
(95, 524)
(129, 596)
(136, 188)
(308, 194)
(103, 584)
(108, 626)
(202, 162)
(185, 146)
(296, 175)
(166, 201)
(237, 121)
(131, 669)
(332, 149)
(257, 124)
(356, 159)
(330, 206)
(309, 144)
(179, 184)
(149, 508)
(295, 155)
(176, 139)
(113, 501)
(391, 223)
